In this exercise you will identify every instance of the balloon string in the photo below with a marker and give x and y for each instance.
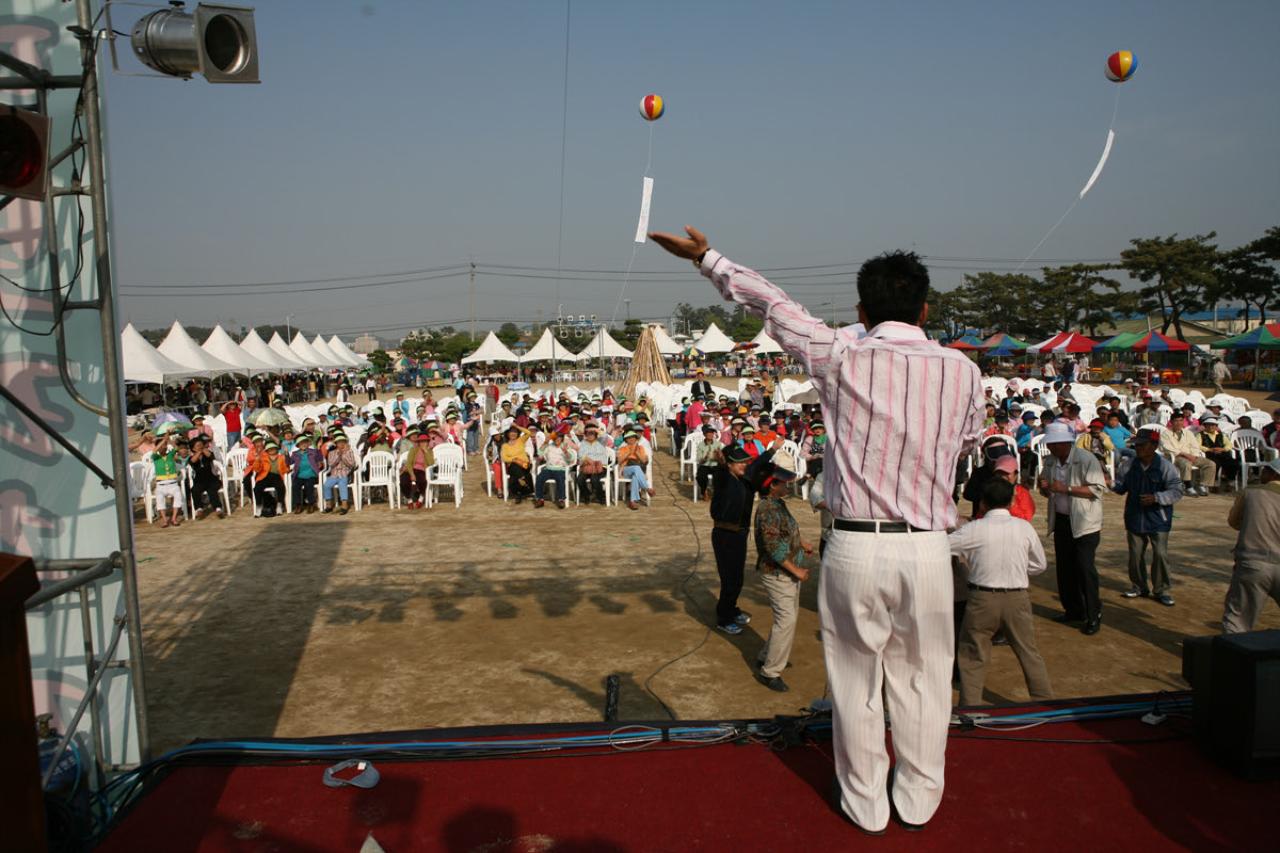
(1115, 109)
(648, 164)
(1047, 235)
(635, 247)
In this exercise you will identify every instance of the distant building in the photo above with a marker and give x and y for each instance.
(366, 344)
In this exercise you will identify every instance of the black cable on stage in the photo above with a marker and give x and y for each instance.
(693, 570)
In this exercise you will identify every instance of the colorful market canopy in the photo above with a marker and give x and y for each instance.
(714, 341)
(491, 349)
(144, 363)
(183, 349)
(220, 345)
(1068, 342)
(1263, 337)
(968, 342)
(1122, 342)
(1002, 341)
(1156, 342)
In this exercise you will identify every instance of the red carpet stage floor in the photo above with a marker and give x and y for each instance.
(1104, 784)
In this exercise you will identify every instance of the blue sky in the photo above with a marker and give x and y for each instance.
(392, 135)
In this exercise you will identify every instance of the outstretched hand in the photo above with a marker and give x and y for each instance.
(690, 247)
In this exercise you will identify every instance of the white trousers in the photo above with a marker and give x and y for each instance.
(885, 601)
(169, 489)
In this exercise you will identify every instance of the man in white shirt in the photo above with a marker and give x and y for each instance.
(1001, 552)
(1188, 455)
(1073, 482)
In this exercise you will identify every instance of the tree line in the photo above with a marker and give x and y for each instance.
(1176, 276)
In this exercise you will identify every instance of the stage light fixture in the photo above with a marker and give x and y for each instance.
(217, 42)
(24, 153)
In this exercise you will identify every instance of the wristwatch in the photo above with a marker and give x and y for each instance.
(697, 262)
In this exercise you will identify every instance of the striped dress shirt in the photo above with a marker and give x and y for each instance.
(899, 408)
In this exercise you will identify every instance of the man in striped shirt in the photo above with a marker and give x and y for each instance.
(900, 410)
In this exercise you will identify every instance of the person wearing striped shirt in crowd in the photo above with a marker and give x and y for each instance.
(901, 410)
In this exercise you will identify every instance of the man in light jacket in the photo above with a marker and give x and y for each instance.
(1073, 482)
(1151, 486)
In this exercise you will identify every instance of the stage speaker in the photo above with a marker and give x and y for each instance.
(1242, 684)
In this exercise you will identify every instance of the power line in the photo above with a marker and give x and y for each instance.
(360, 277)
(208, 292)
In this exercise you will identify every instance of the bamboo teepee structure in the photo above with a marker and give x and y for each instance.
(646, 365)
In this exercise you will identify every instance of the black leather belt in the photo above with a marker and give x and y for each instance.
(876, 526)
(996, 588)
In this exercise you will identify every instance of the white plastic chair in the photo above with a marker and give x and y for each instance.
(492, 454)
(619, 481)
(689, 457)
(378, 470)
(446, 472)
(138, 484)
(234, 472)
(1245, 440)
(286, 501)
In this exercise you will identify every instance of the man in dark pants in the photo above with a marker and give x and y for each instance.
(1073, 482)
(732, 497)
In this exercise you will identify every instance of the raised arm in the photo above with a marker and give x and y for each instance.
(803, 336)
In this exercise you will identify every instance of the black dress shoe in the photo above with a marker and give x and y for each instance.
(775, 684)
(1092, 626)
(835, 803)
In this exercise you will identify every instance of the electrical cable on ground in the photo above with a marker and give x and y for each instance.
(693, 570)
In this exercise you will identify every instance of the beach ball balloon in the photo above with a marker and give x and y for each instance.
(651, 107)
(1121, 65)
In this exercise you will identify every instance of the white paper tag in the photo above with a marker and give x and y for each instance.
(642, 229)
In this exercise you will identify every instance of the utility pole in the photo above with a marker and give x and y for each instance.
(288, 328)
(628, 301)
(472, 294)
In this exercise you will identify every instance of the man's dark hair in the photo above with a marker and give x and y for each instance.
(893, 287)
(997, 494)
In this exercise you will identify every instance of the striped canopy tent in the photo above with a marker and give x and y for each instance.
(968, 342)
(1068, 342)
(1001, 341)
(1264, 337)
(1122, 342)
(1156, 342)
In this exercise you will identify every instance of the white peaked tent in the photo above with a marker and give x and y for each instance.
(321, 347)
(491, 349)
(258, 348)
(180, 347)
(220, 345)
(144, 363)
(765, 344)
(304, 351)
(714, 340)
(546, 348)
(603, 346)
(280, 347)
(666, 345)
(342, 351)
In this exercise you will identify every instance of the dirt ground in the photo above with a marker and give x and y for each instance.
(497, 613)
